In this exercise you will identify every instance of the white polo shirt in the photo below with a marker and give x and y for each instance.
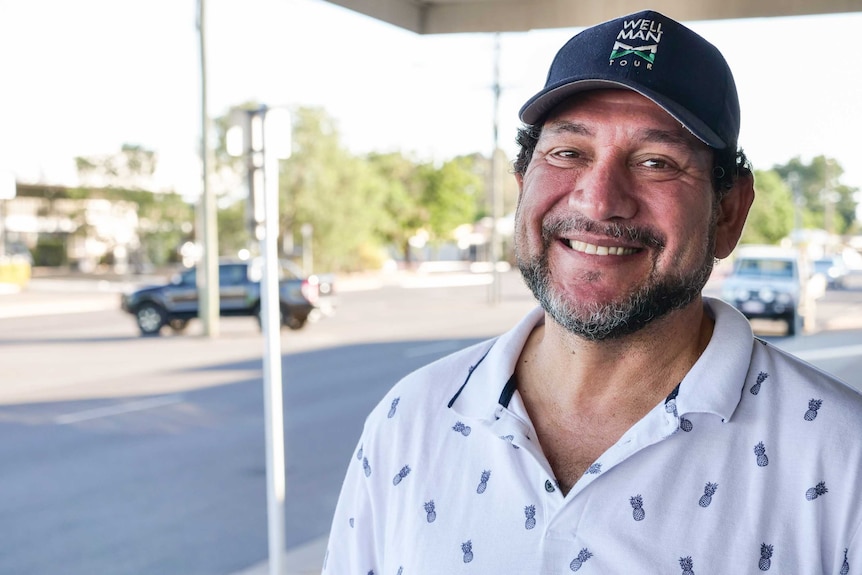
(753, 464)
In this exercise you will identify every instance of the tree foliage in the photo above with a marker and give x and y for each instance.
(325, 187)
(358, 206)
(449, 195)
(771, 216)
(131, 168)
(165, 220)
(825, 203)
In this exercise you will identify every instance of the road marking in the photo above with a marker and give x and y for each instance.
(431, 349)
(829, 353)
(119, 409)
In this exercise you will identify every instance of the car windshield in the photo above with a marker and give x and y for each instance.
(765, 268)
(822, 265)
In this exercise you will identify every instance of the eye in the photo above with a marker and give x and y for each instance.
(566, 154)
(655, 164)
(564, 157)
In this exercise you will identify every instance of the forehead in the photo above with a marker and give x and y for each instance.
(617, 109)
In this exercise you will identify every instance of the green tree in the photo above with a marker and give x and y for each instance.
(771, 215)
(234, 230)
(132, 168)
(324, 186)
(449, 195)
(826, 203)
(400, 188)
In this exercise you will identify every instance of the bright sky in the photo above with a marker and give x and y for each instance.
(84, 77)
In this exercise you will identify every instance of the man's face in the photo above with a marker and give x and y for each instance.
(615, 222)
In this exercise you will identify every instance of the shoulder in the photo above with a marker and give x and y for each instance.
(795, 380)
(432, 386)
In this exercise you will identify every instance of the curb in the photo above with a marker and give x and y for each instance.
(307, 559)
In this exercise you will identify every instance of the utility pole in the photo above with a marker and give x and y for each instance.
(496, 186)
(207, 267)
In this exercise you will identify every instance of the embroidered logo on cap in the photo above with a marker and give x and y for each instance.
(640, 29)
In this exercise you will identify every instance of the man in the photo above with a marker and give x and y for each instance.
(629, 425)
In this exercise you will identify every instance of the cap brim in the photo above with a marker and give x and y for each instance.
(542, 103)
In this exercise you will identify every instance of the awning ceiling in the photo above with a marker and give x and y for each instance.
(461, 16)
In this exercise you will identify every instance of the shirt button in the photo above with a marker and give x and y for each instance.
(549, 487)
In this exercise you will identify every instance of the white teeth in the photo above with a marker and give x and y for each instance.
(593, 249)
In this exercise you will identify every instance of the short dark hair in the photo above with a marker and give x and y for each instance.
(727, 164)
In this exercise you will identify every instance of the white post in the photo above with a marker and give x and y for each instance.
(272, 378)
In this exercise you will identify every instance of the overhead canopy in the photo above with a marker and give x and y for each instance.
(454, 16)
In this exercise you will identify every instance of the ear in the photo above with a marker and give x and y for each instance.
(519, 177)
(732, 213)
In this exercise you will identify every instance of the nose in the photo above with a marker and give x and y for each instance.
(603, 191)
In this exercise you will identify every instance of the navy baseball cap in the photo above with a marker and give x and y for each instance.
(657, 57)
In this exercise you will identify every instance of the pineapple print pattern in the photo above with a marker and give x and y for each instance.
(765, 557)
(430, 513)
(685, 424)
(510, 439)
(816, 491)
(462, 429)
(366, 467)
(401, 475)
(761, 377)
(760, 452)
(845, 567)
(359, 453)
(393, 407)
(687, 565)
(483, 482)
(637, 503)
(594, 469)
(708, 492)
(579, 561)
(813, 406)
(530, 513)
(467, 549)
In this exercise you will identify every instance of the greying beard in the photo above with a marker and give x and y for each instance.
(613, 320)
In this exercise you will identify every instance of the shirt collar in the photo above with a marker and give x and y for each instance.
(484, 383)
(713, 385)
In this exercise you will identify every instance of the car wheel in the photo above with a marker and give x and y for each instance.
(179, 325)
(258, 314)
(794, 324)
(151, 318)
(291, 321)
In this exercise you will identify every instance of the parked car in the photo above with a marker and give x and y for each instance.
(767, 282)
(834, 269)
(175, 303)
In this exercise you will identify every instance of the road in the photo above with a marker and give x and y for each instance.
(126, 455)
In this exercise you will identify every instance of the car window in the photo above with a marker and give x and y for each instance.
(188, 278)
(287, 270)
(765, 268)
(231, 274)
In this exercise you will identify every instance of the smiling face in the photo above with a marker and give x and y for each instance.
(616, 217)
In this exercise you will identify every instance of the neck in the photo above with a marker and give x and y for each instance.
(627, 376)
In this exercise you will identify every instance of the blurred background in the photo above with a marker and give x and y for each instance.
(132, 434)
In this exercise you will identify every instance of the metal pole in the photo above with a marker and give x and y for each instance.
(496, 186)
(207, 276)
(271, 322)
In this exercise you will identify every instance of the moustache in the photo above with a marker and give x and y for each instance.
(638, 236)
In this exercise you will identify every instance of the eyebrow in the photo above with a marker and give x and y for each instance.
(675, 138)
(679, 139)
(560, 127)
